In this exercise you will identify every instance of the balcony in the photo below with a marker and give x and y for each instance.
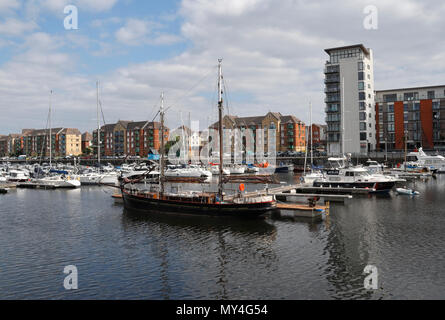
(332, 80)
(329, 109)
(332, 69)
(332, 90)
(332, 98)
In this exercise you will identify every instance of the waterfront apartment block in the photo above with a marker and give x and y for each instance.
(129, 138)
(415, 114)
(290, 134)
(350, 130)
(318, 136)
(64, 142)
(86, 141)
(11, 144)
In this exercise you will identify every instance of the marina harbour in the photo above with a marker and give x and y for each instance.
(234, 225)
(121, 254)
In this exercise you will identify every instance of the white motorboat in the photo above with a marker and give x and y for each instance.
(191, 171)
(237, 169)
(407, 191)
(374, 167)
(419, 160)
(311, 177)
(18, 176)
(341, 175)
(58, 182)
(215, 170)
(252, 169)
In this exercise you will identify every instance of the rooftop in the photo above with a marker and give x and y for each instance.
(411, 88)
(361, 46)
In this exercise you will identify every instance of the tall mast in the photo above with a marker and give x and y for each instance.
(406, 145)
(50, 131)
(98, 123)
(220, 129)
(161, 159)
(312, 140)
(343, 115)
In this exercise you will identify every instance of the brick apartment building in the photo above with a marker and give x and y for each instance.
(415, 113)
(129, 138)
(290, 134)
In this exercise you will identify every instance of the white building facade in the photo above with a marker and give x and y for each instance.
(351, 130)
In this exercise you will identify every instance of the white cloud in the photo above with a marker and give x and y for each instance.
(14, 27)
(57, 6)
(8, 5)
(138, 32)
(273, 60)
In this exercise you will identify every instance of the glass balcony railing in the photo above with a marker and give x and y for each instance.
(332, 69)
(332, 80)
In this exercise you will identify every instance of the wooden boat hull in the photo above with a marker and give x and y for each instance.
(139, 203)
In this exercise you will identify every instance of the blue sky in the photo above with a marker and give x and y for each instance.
(272, 50)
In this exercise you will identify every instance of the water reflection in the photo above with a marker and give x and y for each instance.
(221, 240)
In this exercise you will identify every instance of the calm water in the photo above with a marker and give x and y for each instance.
(120, 255)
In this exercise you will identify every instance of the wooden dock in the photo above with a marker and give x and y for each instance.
(30, 185)
(334, 190)
(304, 210)
(326, 197)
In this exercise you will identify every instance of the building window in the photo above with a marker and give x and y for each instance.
(362, 135)
(436, 105)
(362, 126)
(361, 96)
(361, 85)
(362, 105)
(362, 115)
(430, 94)
(391, 127)
(391, 117)
(390, 108)
(409, 96)
(416, 106)
(389, 97)
(360, 66)
(361, 76)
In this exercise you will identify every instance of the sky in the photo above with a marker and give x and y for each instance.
(272, 50)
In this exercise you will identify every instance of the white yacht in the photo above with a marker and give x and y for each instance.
(340, 174)
(190, 171)
(237, 169)
(215, 170)
(59, 182)
(18, 176)
(355, 177)
(420, 160)
(374, 167)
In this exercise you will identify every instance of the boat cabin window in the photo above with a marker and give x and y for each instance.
(411, 158)
(349, 173)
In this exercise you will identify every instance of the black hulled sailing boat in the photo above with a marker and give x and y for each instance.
(201, 203)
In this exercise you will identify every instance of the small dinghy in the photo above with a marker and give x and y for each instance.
(407, 191)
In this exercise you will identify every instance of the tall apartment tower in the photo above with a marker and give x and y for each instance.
(351, 130)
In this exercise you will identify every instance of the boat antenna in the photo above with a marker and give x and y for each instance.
(161, 159)
(220, 129)
(343, 115)
(312, 140)
(50, 133)
(98, 124)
